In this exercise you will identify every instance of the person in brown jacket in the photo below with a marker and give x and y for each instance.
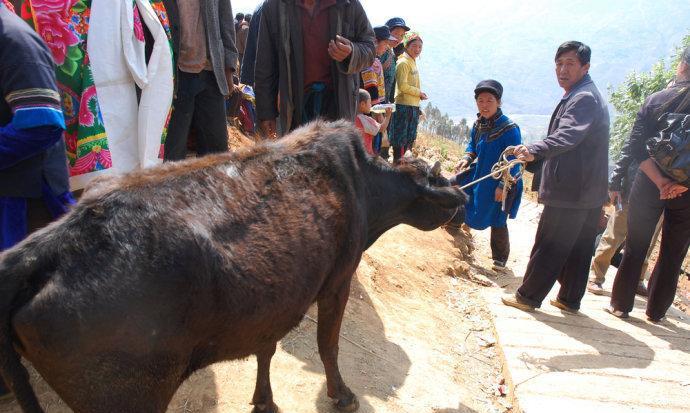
(310, 53)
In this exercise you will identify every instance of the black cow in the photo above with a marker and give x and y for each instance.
(162, 272)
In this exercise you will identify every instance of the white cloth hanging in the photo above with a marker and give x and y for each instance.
(117, 53)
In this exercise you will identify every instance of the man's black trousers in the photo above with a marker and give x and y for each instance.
(562, 252)
(643, 215)
(198, 103)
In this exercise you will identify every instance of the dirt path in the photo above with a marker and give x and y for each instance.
(414, 339)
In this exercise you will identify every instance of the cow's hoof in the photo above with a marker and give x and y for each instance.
(349, 404)
(264, 408)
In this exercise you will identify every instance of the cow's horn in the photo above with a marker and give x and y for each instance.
(436, 169)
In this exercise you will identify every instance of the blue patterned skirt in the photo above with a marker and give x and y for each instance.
(404, 130)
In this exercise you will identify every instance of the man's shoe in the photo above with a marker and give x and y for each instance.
(642, 290)
(616, 313)
(498, 266)
(655, 320)
(513, 301)
(563, 307)
(595, 288)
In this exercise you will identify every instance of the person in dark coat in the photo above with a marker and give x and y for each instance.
(573, 186)
(34, 185)
(310, 53)
(653, 193)
(204, 50)
(249, 58)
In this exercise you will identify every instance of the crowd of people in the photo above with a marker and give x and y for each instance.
(123, 84)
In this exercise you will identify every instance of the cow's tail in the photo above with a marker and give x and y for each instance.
(16, 271)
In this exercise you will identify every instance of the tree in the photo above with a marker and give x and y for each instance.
(441, 124)
(628, 98)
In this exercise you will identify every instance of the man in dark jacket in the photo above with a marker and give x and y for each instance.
(310, 53)
(249, 58)
(573, 186)
(617, 227)
(206, 57)
(654, 194)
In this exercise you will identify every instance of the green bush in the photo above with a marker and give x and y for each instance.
(631, 94)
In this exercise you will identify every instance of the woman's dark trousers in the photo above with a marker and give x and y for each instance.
(500, 244)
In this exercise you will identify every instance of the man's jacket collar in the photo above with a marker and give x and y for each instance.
(586, 80)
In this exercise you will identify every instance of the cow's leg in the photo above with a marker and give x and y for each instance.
(331, 309)
(263, 395)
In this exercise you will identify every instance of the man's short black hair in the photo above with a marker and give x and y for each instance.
(685, 56)
(239, 17)
(584, 53)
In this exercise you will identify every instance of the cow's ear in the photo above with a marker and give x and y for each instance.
(446, 197)
(436, 169)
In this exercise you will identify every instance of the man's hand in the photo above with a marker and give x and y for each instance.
(522, 153)
(268, 128)
(498, 195)
(229, 72)
(462, 165)
(672, 190)
(340, 48)
(423, 96)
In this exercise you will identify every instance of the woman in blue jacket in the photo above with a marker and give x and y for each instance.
(491, 134)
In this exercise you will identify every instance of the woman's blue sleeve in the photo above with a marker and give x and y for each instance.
(19, 144)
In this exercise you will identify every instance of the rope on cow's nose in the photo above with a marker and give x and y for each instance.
(501, 171)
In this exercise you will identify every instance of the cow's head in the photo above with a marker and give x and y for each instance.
(434, 201)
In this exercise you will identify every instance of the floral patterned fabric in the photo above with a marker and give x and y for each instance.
(8, 5)
(64, 25)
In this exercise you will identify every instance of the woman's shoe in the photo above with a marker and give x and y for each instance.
(616, 313)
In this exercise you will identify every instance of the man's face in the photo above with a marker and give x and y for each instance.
(569, 70)
(398, 33)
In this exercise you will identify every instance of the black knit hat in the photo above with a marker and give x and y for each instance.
(490, 86)
(397, 22)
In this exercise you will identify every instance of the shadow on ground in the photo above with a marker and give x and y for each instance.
(197, 394)
(370, 364)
